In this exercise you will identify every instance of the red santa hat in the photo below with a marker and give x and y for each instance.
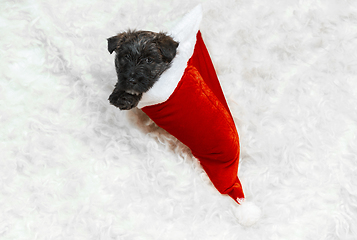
(187, 101)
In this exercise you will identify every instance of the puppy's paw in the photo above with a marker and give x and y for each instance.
(124, 100)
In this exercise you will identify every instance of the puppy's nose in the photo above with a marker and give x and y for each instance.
(132, 80)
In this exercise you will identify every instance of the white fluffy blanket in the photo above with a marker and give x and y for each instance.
(74, 167)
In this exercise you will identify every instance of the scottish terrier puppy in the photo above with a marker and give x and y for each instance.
(141, 58)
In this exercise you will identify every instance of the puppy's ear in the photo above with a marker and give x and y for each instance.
(114, 42)
(167, 46)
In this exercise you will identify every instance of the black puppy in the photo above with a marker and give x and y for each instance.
(141, 58)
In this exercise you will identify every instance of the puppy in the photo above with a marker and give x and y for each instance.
(178, 88)
(141, 58)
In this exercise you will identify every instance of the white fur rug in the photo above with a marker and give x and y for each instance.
(74, 167)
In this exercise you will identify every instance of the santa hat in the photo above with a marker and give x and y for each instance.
(187, 101)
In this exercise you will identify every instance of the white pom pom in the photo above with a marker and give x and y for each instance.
(247, 213)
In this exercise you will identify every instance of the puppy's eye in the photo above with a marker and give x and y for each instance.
(149, 60)
(124, 59)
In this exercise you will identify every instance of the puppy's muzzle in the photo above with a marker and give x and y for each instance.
(124, 100)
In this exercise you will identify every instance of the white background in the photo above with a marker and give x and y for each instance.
(74, 167)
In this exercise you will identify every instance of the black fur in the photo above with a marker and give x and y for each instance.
(141, 58)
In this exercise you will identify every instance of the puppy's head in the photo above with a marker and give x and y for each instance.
(141, 57)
